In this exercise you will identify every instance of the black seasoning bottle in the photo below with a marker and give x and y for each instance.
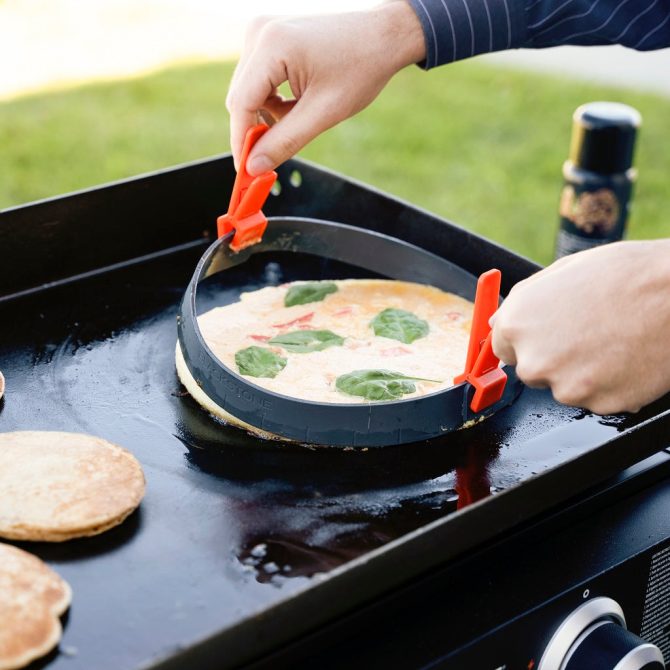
(598, 176)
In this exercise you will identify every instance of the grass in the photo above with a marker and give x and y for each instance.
(479, 145)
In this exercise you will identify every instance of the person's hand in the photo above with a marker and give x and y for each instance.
(335, 65)
(594, 327)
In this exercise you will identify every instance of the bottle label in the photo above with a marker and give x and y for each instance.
(591, 216)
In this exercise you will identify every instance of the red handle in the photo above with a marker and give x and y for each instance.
(486, 303)
(487, 378)
(249, 195)
(482, 369)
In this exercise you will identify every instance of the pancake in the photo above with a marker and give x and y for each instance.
(58, 486)
(33, 597)
(312, 335)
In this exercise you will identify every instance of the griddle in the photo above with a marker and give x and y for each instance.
(240, 546)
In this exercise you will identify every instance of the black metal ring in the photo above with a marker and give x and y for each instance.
(355, 424)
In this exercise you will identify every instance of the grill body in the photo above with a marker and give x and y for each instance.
(242, 550)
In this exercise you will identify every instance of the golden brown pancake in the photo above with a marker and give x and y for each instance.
(58, 486)
(348, 311)
(32, 598)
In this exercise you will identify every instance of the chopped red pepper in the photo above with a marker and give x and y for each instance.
(301, 319)
(260, 338)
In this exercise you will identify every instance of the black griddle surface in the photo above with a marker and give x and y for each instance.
(230, 526)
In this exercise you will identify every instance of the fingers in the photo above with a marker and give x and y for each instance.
(239, 123)
(278, 107)
(335, 67)
(309, 117)
(312, 114)
(502, 345)
(512, 348)
(243, 104)
(255, 80)
(263, 116)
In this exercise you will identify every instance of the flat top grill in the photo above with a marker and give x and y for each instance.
(241, 545)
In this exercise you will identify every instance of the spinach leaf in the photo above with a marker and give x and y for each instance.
(259, 362)
(378, 384)
(314, 291)
(304, 341)
(398, 324)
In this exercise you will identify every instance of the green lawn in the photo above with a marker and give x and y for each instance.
(479, 145)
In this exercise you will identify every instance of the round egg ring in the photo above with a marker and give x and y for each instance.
(367, 424)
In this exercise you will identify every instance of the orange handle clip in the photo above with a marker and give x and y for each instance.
(482, 369)
(244, 214)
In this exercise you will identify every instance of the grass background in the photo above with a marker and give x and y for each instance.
(479, 145)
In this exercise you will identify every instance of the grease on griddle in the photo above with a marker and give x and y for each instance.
(312, 511)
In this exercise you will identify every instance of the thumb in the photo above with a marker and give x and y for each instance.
(502, 346)
(299, 126)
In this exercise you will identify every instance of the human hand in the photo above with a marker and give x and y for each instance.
(335, 65)
(594, 327)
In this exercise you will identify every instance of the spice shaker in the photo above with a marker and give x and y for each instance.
(598, 177)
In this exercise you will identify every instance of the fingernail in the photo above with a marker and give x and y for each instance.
(259, 164)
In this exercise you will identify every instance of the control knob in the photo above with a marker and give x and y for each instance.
(594, 637)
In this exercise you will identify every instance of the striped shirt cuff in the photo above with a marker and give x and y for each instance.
(457, 29)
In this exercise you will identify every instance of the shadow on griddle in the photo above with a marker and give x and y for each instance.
(45, 661)
(302, 511)
(86, 547)
(306, 511)
(228, 452)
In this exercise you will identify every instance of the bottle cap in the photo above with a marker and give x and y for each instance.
(603, 136)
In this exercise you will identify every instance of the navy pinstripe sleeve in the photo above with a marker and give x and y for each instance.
(457, 29)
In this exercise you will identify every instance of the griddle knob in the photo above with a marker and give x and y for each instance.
(594, 637)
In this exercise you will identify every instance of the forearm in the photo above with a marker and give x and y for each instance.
(401, 31)
(458, 29)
